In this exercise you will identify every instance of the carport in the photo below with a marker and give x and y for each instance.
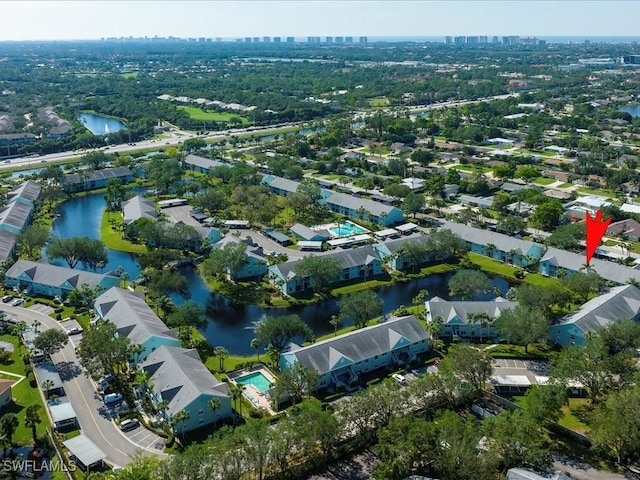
(63, 415)
(47, 371)
(86, 453)
(277, 236)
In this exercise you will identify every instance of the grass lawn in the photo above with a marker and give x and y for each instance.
(377, 150)
(508, 271)
(130, 75)
(23, 395)
(534, 351)
(112, 238)
(597, 191)
(543, 180)
(569, 419)
(198, 114)
(379, 102)
(565, 185)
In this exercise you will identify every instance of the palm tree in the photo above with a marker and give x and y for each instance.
(135, 350)
(221, 353)
(181, 417)
(9, 423)
(36, 324)
(32, 419)
(335, 323)
(184, 335)
(17, 330)
(46, 386)
(214, 404)
(163, 303)
(255, 344)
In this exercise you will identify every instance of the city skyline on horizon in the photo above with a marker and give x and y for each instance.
(69, 20)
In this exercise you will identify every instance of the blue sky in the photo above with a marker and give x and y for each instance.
(87, 19)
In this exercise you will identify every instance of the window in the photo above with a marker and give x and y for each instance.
(201, 412)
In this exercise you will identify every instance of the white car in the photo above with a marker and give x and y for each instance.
(399, 378)
(112, 398)
(17, 302)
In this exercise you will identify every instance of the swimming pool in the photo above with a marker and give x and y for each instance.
(347, 229)
(257, 379)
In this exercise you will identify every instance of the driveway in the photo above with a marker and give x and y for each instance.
(94, 420)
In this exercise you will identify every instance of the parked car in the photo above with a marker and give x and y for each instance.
(7, 298)
(17, 302)
(129, 424)
(112, 398)
(399, 378)
(74, 331)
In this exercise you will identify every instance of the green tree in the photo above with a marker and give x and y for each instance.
(228, 260)
(83, 296)
(543, 403)
(50, 341)
(89, 251)
(469, 364)
(165, 282)
(221, 354)
(583, 284)
(279, 331)
(413, 203)
(546, 216)
(468, 283)
(511, 224)
(443, 244)
(114, 194)
(414, 252)
(522, 326)
(9, 423)
(101, 350)
(32, 420)
(567, 237)
(360, 307)
(96, 160)
(321, 270)
(614, 425)
(188, 314)
(181, 417)
(297, 382)
(515, 439)
(214, 405)
(31, 240)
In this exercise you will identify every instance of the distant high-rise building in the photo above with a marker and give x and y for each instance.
(471, 40)
(363, 40)
(276, 39)
(348, 39)
(495, 39)
(483, 39)
(290, 40)
(313, 39)
(328, 39)
(256, 39)
(247, 39)
(218, 39)
(266, 39)
(631, 59)
(448, 40)
(460, 40)
(511, 40)
(339, 40)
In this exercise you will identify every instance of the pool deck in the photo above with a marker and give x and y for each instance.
(251, 392)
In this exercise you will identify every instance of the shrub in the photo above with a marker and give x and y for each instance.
(32, 379)
(28, 369)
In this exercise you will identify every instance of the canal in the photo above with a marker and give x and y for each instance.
(231, 325)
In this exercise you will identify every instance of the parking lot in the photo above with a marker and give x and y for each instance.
(145, 439)
(539, 367)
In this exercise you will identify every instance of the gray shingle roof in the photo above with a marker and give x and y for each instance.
(180, 377)
(202, 162)
(355, 203)
(47, 274)
(136, 208)
(346, 259)
(360, 344)
(7, 244)
(447, 310)
(479, 236)
(306, 233)
(16, 214)
(619, 303)
(93, 175)
(282, 183)
(394, 245)
(524, 474)
(131, 315)
(573, 261)
(28, 190)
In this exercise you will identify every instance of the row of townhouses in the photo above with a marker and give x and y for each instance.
(16, 215)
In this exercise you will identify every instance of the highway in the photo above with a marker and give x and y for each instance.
(179, 136)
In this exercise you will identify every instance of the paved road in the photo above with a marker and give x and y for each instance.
(81, 392)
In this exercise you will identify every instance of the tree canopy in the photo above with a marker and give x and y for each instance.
(88, 251)
(360, 307)
(468, 283)
(280, 330)
(321, 270)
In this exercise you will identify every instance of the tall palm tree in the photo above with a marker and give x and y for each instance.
(135, 350)
(46, 386)
(181, 417)
(255, 344)
(214, 404)
(9, 423)
(32, 420)
(222, 354)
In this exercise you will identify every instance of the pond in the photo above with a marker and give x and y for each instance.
(633, 110)
(231, 325)
(99, 125)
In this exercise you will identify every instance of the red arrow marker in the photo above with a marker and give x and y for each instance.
(596, 227)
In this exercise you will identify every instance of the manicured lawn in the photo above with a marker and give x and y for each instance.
(565, 185)
(597, 191)
(569, 419)
(538, 279)
(516, 351)
(23, 395)
(112, 238)
(379, 102)
(543, 180)
(129, 75)
(508, 271)
(198, 114)
(377, 150)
